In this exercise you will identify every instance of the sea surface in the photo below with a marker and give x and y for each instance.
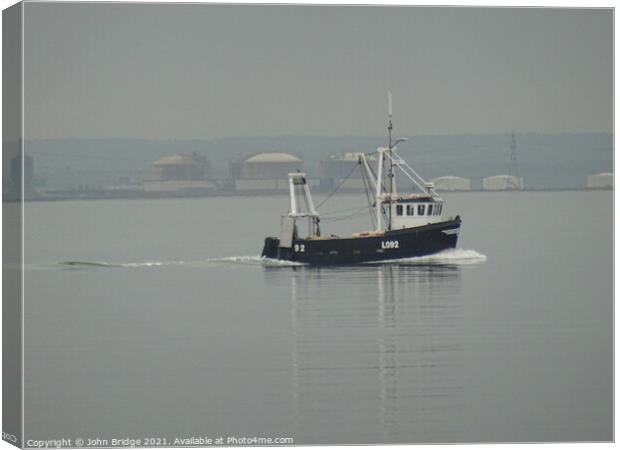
(157, 319)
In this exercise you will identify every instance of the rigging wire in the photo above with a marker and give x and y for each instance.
(359, 213)
(383, 188)
(356, 212)
(366, 183)
(374, 174)
(340, 211)
(337, 187)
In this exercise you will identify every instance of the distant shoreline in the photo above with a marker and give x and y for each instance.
(250, 194)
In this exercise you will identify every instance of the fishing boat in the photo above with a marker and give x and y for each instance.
(404, 225)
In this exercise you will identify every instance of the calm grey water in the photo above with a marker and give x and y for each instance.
(169, 336)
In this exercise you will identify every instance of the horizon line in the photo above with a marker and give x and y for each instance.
(319, 136)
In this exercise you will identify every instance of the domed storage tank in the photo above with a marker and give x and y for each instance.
(451, 183)
(181, 167)
(502, 183)
(180, 173)
(603, 180)
(268, 171)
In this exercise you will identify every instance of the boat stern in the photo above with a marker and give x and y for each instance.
(270, 249)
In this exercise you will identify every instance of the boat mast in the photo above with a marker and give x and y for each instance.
(379, 189)
(391, 166)
(377, 178)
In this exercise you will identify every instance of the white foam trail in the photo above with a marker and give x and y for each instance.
(102, 264)
(451, 257)
(257, 260)
(456, 256)
(154, 264)
(232, 260)
(87, 264)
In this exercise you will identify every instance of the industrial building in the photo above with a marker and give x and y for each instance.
(266, 171)
(502, 183)
(14, 166)
(603, 180)
(342, 170)
(451, 183)
(179, 173)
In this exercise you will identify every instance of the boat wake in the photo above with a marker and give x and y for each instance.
(448, 257)
(86, 264)
(258, 260)
(456, 256)
(110, 265)
(230, 260)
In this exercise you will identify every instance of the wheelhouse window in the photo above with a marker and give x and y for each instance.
(421, 210)
(430, 210)
(410, 210)
(399, 210)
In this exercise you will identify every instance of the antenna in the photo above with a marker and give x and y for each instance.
(514, 165)
(391, 167)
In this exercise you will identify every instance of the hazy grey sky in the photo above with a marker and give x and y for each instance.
(207, 71)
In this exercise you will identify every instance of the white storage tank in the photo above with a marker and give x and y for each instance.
(603, 180)
(267, 172)
(502, 183)
(451, 183)
(179, 173)
(274, 165)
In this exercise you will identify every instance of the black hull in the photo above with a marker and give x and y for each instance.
(395, 244)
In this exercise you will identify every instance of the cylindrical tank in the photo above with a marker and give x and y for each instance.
(451, 183)
(276, 165)
(603, 180)
(502, 183)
